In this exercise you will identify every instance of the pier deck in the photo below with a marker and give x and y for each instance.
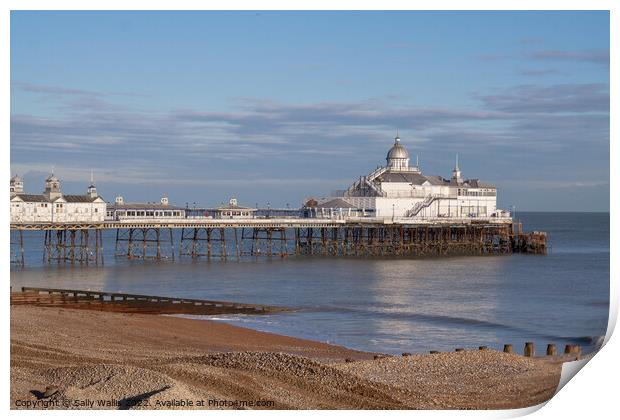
(254, 222)
(282, 237)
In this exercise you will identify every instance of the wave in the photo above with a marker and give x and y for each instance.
(595, 341)
(432, 318)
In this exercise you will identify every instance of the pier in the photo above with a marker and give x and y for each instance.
(152, 239)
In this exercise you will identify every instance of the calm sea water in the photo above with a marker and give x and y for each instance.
(388, 305)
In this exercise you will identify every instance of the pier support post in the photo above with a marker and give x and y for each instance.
(17, 247)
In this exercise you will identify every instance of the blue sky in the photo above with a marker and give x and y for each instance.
(278, 106)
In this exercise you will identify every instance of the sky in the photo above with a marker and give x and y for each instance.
(275, 107)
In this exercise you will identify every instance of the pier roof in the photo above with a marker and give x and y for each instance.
(143, 206)
(411, 178)
(32, 198)
(476, 183)
(70, 198)
(336, 203)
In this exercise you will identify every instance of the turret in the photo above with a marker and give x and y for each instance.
(17, 185)
(52, 187)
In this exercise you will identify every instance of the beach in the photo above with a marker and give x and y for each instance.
(95, 360)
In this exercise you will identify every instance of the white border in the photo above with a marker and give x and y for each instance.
(593, 394)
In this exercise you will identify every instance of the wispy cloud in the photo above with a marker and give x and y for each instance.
(540, 72)
(493, 57)
(56, 90)
(548, 184)
(588, 97)
(592, 56)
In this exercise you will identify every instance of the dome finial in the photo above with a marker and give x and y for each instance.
(397, 138)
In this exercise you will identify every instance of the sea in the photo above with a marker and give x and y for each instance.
(386, 305)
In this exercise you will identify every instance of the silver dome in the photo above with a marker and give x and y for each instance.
(397, 151)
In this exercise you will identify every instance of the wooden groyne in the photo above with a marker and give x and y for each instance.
(572, 352)
(131, 303)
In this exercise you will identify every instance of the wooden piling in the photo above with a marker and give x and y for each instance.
(528, 350)
(551, 350)
(482, 348)
(507, 348)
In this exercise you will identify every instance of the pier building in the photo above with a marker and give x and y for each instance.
(163, 210)
(233, 210)
(399, 190)
(53, 206)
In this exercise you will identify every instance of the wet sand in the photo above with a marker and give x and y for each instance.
(93, 359)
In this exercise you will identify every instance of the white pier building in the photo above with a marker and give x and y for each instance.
(399, 190)
(53, 206)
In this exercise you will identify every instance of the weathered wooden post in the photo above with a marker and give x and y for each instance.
(568, 349)
(482, 348)
(507, 348)
(551, 350)
(434, 352)
(529, 351)
(459, 349)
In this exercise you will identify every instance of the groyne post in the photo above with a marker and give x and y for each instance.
(529, 351)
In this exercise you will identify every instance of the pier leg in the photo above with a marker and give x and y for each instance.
(72, 247)
(144, 233)
(209, 244)
(100, 231)
(223, 247)
(237, 244)
(171, 243)
(45, 252)
(158, 244)
(21, 247)
(17, 247)
(130, 244)
(283, 251)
